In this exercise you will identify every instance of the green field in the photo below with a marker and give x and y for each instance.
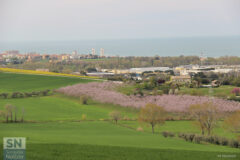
(55, 130)
(11, 82)
(61, 108)
(180, 127)
(102, 134)
(222, 91)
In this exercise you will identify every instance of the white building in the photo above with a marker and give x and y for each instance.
(93, 51)
(226, 70)
(101, 52)
(148, 69)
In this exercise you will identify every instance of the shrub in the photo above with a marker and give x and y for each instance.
(209, 139)
(216, 140)
(181, 135)
(224, 141)
(84, 99)
(184, 136)
(45, 92)
(198, 138)
(171, 134)
(28, 94)
(15, 94)
(4, 95)
(35, 93)
(165, 134)
(189, 137)
(168, 134)
(234, 143)
(84, 117)
(140, 129)
(21, 95)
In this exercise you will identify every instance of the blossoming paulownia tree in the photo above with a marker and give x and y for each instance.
(105, 92)
(152, 114)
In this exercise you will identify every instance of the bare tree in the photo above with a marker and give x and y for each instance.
(15, 113)
(115, 115)
(206, 115)
(197, 112)
(152, 114)
(23, 112)
(9, 112)
(232, 122)
(4, 114)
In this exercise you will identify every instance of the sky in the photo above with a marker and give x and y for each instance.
(51, 20)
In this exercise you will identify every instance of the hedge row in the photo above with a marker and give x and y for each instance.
(168, 134)
(25, 94)
(209, 139)
(196, 138)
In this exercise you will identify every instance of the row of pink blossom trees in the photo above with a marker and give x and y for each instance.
(104, 92)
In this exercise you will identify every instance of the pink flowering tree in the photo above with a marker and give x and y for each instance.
(104, 92)
(236, 91)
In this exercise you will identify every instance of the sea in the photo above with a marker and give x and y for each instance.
(195, 46)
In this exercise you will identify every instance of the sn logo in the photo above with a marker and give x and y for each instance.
(14, 143)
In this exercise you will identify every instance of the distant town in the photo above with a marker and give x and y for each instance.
(181, 73)
(14, 56)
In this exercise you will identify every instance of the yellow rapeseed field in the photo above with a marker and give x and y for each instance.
(43, 73)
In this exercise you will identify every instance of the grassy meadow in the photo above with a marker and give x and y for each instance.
(223, 91)
(180, 126)
(61, 108)
(55, 130)
(15, 82)
(103, 134)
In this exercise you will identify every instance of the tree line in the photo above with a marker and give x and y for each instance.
(125, 63)
(24, 94)
(10, 112)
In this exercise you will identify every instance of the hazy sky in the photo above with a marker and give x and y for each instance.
(38, 20)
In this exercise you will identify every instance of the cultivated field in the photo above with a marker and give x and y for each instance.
(56, 129)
